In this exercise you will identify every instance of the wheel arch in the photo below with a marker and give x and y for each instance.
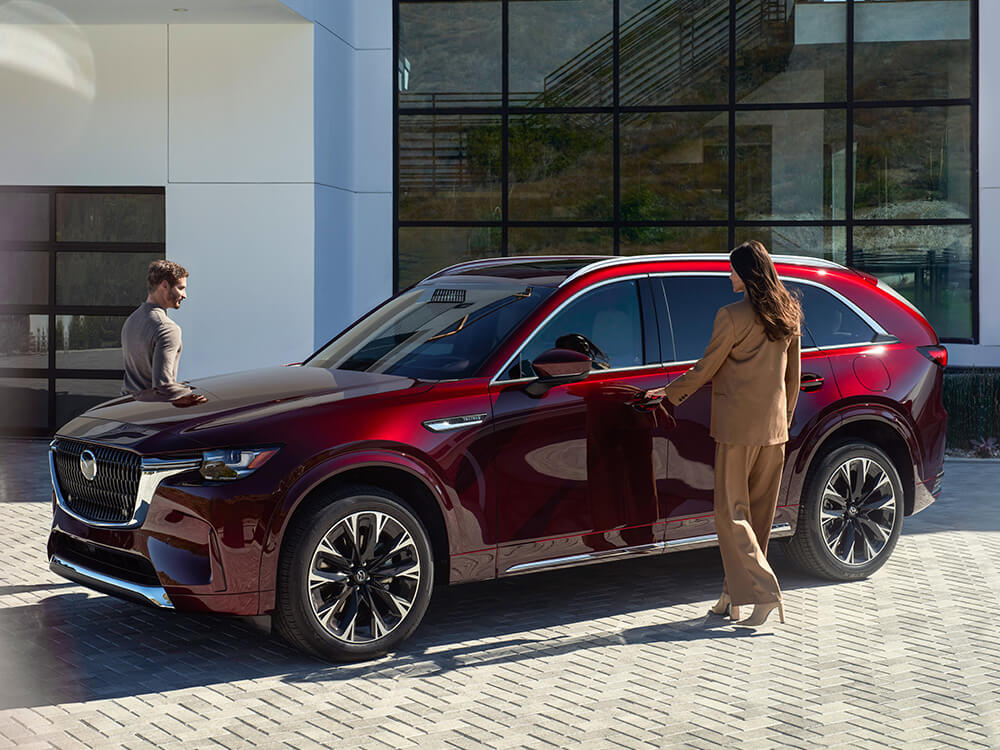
(889, 433)
(395, 473)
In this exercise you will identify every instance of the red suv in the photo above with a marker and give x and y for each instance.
(490, 421)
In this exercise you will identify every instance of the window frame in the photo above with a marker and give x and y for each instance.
(883, 337)
(645, 324)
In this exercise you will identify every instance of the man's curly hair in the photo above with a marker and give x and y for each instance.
(164, 270)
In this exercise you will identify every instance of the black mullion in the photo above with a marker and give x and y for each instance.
(615, 130)
(395, 147)
(849, 143)
(732, 124)
(974, 165)
(900, 103)
(51, 417)
(504, 125)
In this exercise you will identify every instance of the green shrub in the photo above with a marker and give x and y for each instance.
(972, 400)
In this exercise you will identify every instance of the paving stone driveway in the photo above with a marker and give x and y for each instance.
(619, 654)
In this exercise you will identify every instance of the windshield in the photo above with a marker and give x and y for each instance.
(439, 331)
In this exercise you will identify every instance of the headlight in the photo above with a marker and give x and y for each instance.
(233, 463)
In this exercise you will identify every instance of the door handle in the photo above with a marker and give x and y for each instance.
(811, 382)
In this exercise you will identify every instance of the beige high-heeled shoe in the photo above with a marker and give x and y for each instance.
(761, 612)
(724, 605)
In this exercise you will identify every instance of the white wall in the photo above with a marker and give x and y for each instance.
(240, 196)
(353, 139)
(83, 105)
(249, 249)
(988, 352)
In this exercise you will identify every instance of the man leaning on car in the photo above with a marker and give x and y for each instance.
(151, 341)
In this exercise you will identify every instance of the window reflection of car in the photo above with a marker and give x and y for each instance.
(491, 421)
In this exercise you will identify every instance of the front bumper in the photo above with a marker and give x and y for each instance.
(154, 595)
(190, 545)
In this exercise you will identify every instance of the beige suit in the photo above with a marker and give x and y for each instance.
(755, 384)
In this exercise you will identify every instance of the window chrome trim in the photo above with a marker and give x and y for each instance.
(801, 260)
(454, 423)
(154, 595)
(152, 472)
(562, 305)
(868, 319)
(777, 530)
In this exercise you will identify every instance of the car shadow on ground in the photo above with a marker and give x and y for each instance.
(77, 647)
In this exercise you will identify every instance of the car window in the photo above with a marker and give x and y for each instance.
(605, 324)
(435, 332)
(830, 321)
(692, 302)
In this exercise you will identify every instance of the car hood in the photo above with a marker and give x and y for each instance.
(239, 397)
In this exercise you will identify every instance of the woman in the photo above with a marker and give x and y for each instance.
(753, 363)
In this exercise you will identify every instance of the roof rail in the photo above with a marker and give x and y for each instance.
(802, 260)
(507, 260)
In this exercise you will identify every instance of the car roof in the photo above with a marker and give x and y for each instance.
(559, 270)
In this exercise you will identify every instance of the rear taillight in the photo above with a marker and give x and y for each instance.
(936, 354)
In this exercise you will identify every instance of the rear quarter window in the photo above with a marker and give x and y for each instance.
(830, 322)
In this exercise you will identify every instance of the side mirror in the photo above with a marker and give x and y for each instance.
(557, 367)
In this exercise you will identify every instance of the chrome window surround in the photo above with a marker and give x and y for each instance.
(868, 319)
(154, 471)
(777, 530)
(496, 377)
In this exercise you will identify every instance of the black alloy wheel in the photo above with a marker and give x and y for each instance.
(354, 577)
(850, 515)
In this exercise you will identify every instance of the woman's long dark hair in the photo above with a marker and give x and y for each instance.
(777, 309)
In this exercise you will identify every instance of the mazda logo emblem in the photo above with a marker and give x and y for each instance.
(88, 465)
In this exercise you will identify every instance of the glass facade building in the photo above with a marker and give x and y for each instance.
(844, 130)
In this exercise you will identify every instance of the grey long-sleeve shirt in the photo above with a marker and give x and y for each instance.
(151, 345)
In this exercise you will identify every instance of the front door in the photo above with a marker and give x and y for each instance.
(577, 467)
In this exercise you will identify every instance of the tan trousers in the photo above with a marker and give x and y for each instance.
(746, 493)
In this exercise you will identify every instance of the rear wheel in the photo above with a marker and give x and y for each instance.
(354, 577)
(851, 514)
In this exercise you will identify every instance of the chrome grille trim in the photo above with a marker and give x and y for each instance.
(122, 499)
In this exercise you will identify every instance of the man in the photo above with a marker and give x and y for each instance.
(151, 341)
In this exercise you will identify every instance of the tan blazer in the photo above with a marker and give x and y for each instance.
(755, 381)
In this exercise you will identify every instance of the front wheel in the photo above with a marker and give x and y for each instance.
(354, 577)
(851, 514)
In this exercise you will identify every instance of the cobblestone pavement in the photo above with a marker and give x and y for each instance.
(615, 655)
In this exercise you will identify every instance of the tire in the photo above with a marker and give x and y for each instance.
(354, 577)
(851, 513)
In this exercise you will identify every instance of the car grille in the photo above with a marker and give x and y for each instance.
(111, 496)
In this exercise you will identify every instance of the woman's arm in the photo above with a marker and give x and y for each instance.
(793, 377)
(705, 368)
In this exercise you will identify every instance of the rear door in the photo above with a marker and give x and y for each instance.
(686, 494)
